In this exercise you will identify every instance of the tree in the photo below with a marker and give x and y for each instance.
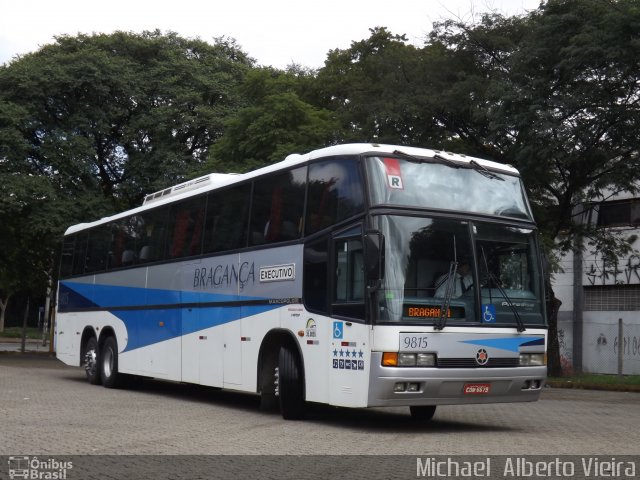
(275, 122)
(90, 124)
(555, 92)
(374, 87)
(560, 99)
(120, 114)
(31, 219)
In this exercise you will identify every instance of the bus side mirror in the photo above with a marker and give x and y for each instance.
(374, 256)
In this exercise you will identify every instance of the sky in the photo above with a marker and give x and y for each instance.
(275, 32)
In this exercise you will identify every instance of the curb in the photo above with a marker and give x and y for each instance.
(593, 386)
(28, 352)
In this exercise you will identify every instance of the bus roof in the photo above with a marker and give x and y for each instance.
(218, 180)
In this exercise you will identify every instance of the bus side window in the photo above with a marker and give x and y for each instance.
(227, 218)
(315, 282)
(153, 235)
(99, 240)
(80, 253)
(277, 207)
(348, 294)
(68, 248)
(186, 228)
(335, 193)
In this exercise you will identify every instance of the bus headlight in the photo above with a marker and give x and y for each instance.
(426, 360)
(393, 359)
(406, 359)
(532, 359)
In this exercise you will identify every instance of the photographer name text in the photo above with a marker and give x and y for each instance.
(521, 467)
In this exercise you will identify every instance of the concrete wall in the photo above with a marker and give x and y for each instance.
(599, 343)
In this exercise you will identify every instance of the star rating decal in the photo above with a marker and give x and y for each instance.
(351, 362)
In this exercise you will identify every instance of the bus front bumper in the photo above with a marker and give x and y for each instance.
(406, 386)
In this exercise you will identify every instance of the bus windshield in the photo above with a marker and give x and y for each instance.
(430, 267)
(446, 186)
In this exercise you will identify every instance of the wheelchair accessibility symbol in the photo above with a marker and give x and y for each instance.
(337, 329)
(488, 313)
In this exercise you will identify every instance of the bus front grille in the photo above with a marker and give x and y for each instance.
(471, 363)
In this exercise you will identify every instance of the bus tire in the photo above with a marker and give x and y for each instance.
(423, 413)
(90, 361)
(109, 364)
(268, 402)
(290, 385)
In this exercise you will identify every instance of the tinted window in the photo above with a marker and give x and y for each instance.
(227, 219)
(277, 207)
(66, 263)
(394, 181)
(186, 220)
(349, 271)
(348, 265)
(125, 239)
(315, 276)
(335, 193)
(153, 234)
(99, 242)
(79, 254)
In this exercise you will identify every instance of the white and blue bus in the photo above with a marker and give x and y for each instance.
(358, 275)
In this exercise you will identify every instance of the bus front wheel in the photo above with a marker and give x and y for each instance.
(109, 363)
(290, 385)
(423, 413)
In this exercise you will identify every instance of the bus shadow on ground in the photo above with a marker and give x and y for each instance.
(364, 419)
(393, 420)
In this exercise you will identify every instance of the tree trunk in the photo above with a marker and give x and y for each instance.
(3, 308)
(24, 325)
(554, 367)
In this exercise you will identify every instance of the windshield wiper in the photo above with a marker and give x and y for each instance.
(482, 170)
(438, 158)
(441, 322)
(408, 156)
(496, 282)
(446, 161)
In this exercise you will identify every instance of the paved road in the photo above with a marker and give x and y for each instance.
(47, 408)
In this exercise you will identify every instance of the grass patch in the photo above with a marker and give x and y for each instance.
(625, 383)
(16, 332)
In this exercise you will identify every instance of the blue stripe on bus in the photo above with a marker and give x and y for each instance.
(537, 341)
(511, 344)
(143, 326)
(85, 295)
(153, 325)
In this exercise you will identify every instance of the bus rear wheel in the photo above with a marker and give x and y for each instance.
(109, 364)
(290, 385)
(91, 361)
(423, 413)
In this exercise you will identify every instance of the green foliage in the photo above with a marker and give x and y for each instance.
(16, 332)
(275, 122)
(375, 87)
(90, 124)
(555, 93)
(119, 114)
(623, 383)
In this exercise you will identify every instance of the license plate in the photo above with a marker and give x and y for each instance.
(476, 388)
